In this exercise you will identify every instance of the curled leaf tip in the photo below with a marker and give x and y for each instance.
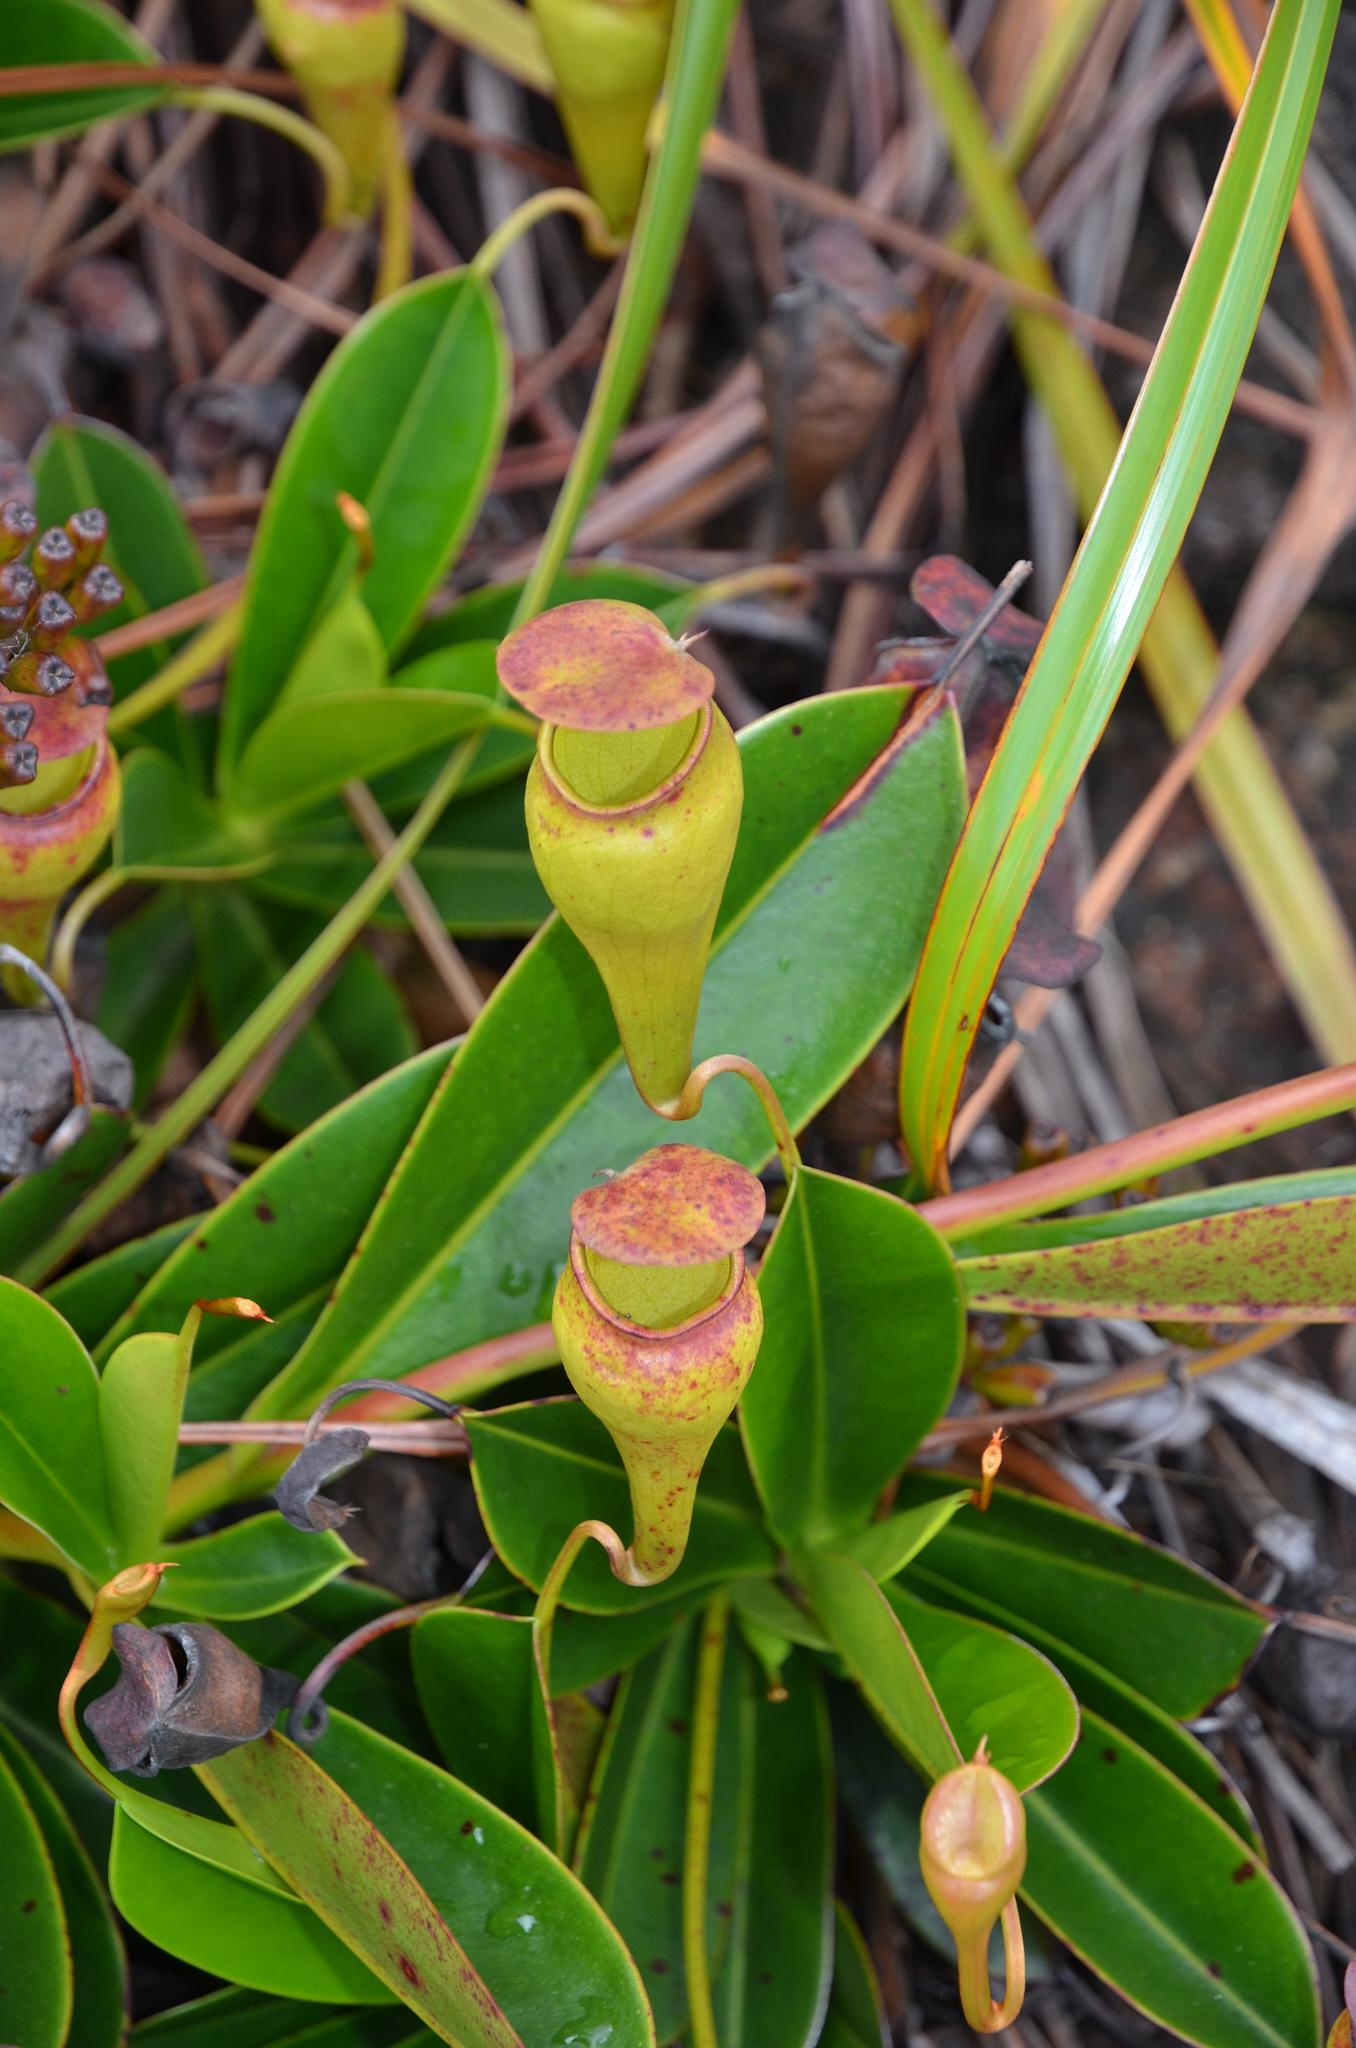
(233, 1305)
(990, 1465)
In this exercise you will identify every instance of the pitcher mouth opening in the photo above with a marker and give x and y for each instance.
(579, 1267)
(25, 823)
(546, 756)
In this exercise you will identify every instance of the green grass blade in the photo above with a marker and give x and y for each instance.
(1133, 534)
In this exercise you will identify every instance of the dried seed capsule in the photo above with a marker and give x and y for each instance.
(659, 1326)
(18, 763)
(972, 1850)
(97, 592)
(91, 685)
(170, 1710)
(54, 559)
(40, 675)
(18, 593)
(633, 807)
(15, 720)
(88, 532)
(51, 620)
(17, 528)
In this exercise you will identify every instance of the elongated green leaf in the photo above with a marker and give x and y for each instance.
(1132, 539)
(588, 1647)
(41, 1640)
(1201, 1938)
(856, 2015)
(543, 1468)
(51, 1461)
(305, 751)
(407, 416)
(806, 970)
(35, 1955)
(886, 1547)
(251, 2019)
(83, 462)
(230, 1924)
(98, 1965)
(547, 1955)
(32, 1207)
(1165, 1628)
(863, 1334)
(863, 1627)
(1198, 1205)
(253, 1567)
(992, 1686)
(477, 1682)
(288, 1228)
(70, 32)
(149, 989)
(1109, 1696)
(773, 1983)
(141, 1398)
(165, 821)
(1287, 1262)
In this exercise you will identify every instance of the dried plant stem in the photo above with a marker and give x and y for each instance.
(171, 619)
(697, 1834)
(414, 899)
(202, 1095)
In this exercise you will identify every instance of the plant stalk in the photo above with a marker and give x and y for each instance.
(697, 1835)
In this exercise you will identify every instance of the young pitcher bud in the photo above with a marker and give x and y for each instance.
(633, 807)
(346, 57)
(659, 1325)
(609, 58)
(972, 1851)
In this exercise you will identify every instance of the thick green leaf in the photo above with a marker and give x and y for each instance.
(141, 1398)
(149, 986)
(1286, 1262)
(70, 32)
(407, 416)
(289, 1227)
(543, 1468)
(1114, 1700)
(863, 1627)
(251, 2019)
(432, 662)
(530, 1930)
(82, 462)
(306, 751)
(51, 1460)
(1193, 1207)
(992, 1687)
(32, 1207)
(165, 821)
(477, 1682)
(1167, 1629)
(231, 1925)
(1132, 538)
(773, 1984)
(886, 1547)
(856, 2015)
(863, 1335)
(806, 970)
(586, 1648)
(359, 1031)
(35, 1954)
(1152, 1889)
(98, 1965)
(94, 1296)
(254, 1567)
